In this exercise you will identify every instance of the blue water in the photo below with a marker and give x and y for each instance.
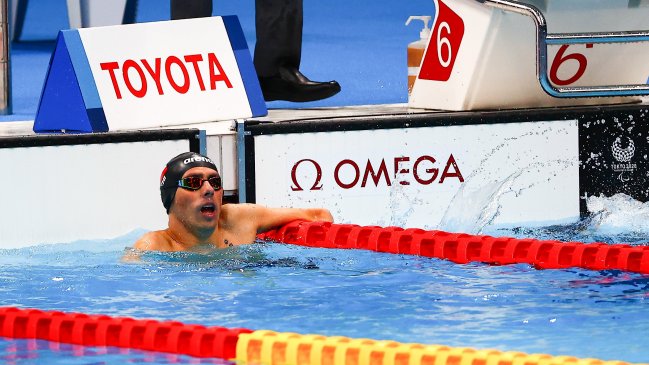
(342, 292)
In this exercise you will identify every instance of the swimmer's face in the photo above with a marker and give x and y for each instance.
(198, 209)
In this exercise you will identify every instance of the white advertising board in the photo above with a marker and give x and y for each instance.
(459, 178)
(165, 69)
(60, 194)
(149, 75)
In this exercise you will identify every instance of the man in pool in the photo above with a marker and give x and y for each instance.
(191, 191)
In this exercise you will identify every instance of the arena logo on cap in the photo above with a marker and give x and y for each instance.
(187, 161)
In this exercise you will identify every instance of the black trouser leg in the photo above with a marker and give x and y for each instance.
(278, 26)
(279, 35)
(185, 9)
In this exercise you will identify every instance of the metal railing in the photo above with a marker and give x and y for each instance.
(543, 39)
(5, 70)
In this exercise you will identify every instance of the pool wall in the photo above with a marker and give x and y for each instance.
(457, 171)
(62, 188)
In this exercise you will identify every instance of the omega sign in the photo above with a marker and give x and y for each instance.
(348, 173)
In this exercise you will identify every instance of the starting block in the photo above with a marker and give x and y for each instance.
(149, 75)
(494, 54)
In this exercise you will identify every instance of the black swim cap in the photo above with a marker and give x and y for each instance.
(175, 170)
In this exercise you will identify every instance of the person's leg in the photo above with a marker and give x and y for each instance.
(279, 35)
(130, 12)
(185, 9)
(278, 52)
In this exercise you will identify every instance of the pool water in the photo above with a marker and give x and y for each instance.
(354, 293)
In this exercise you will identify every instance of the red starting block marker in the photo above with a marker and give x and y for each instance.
(496, 54)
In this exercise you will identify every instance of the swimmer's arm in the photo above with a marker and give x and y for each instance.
(269, 218)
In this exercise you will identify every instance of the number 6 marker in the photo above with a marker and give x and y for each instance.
(444, 45)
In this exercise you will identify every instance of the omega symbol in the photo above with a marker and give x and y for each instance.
(316, 184)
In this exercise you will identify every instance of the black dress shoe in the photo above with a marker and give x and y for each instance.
(291, 85)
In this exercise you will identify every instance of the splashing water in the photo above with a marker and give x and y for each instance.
(462, 215)
(618, 214)
(485, 198)
(616, 219)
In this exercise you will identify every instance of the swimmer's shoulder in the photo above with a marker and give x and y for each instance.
(234, 211)
(154, 241)
(236, 224)
(150, 241)
(238, 215)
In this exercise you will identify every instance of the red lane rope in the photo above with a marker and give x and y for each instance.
(100, 330)
(463, 248)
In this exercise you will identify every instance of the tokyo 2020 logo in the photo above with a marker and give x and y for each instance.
(623, 150)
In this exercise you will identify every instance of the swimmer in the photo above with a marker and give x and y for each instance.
(191, 191)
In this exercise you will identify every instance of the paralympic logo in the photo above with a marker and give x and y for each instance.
(623, 155)
(348, 173)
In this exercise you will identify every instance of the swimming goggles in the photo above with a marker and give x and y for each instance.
(195, 182)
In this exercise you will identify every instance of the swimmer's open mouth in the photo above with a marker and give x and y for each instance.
(210, 208)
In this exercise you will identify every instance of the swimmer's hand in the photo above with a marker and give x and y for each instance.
(320, 215)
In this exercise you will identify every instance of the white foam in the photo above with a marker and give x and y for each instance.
(618, 214)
